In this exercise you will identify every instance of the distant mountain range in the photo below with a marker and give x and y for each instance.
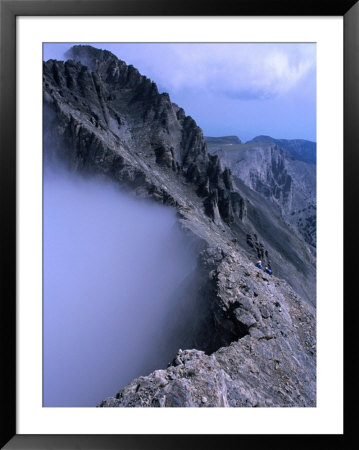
(277, 169)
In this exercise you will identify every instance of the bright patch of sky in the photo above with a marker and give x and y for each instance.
(242, 89)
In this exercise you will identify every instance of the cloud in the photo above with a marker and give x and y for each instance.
(246, 71)
(115, 307)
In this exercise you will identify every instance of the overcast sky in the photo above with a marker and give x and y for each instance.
(230, 89)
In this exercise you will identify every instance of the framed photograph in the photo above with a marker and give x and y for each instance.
(174, 201)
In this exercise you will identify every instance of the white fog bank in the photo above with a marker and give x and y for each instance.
(112, 265)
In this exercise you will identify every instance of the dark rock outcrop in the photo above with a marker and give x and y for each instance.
(254, 336)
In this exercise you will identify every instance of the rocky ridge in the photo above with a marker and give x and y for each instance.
(115, 119)
(270, 362)
(255, 342)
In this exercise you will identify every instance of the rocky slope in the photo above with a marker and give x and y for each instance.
(277, 175)
(270, 361)
(252, 339)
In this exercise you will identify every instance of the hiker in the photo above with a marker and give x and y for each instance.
(259, 264)
(267, 270)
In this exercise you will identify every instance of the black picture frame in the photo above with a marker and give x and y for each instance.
(9, 10)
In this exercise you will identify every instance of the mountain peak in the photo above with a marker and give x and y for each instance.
(262, 138)
(88, 54)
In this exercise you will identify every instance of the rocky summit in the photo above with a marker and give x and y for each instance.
(252, 338)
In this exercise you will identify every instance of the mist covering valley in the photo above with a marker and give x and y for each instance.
(152, 297)
(107, 257)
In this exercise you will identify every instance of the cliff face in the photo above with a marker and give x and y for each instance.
(277, 175)
(254, 337)
(300, 149)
